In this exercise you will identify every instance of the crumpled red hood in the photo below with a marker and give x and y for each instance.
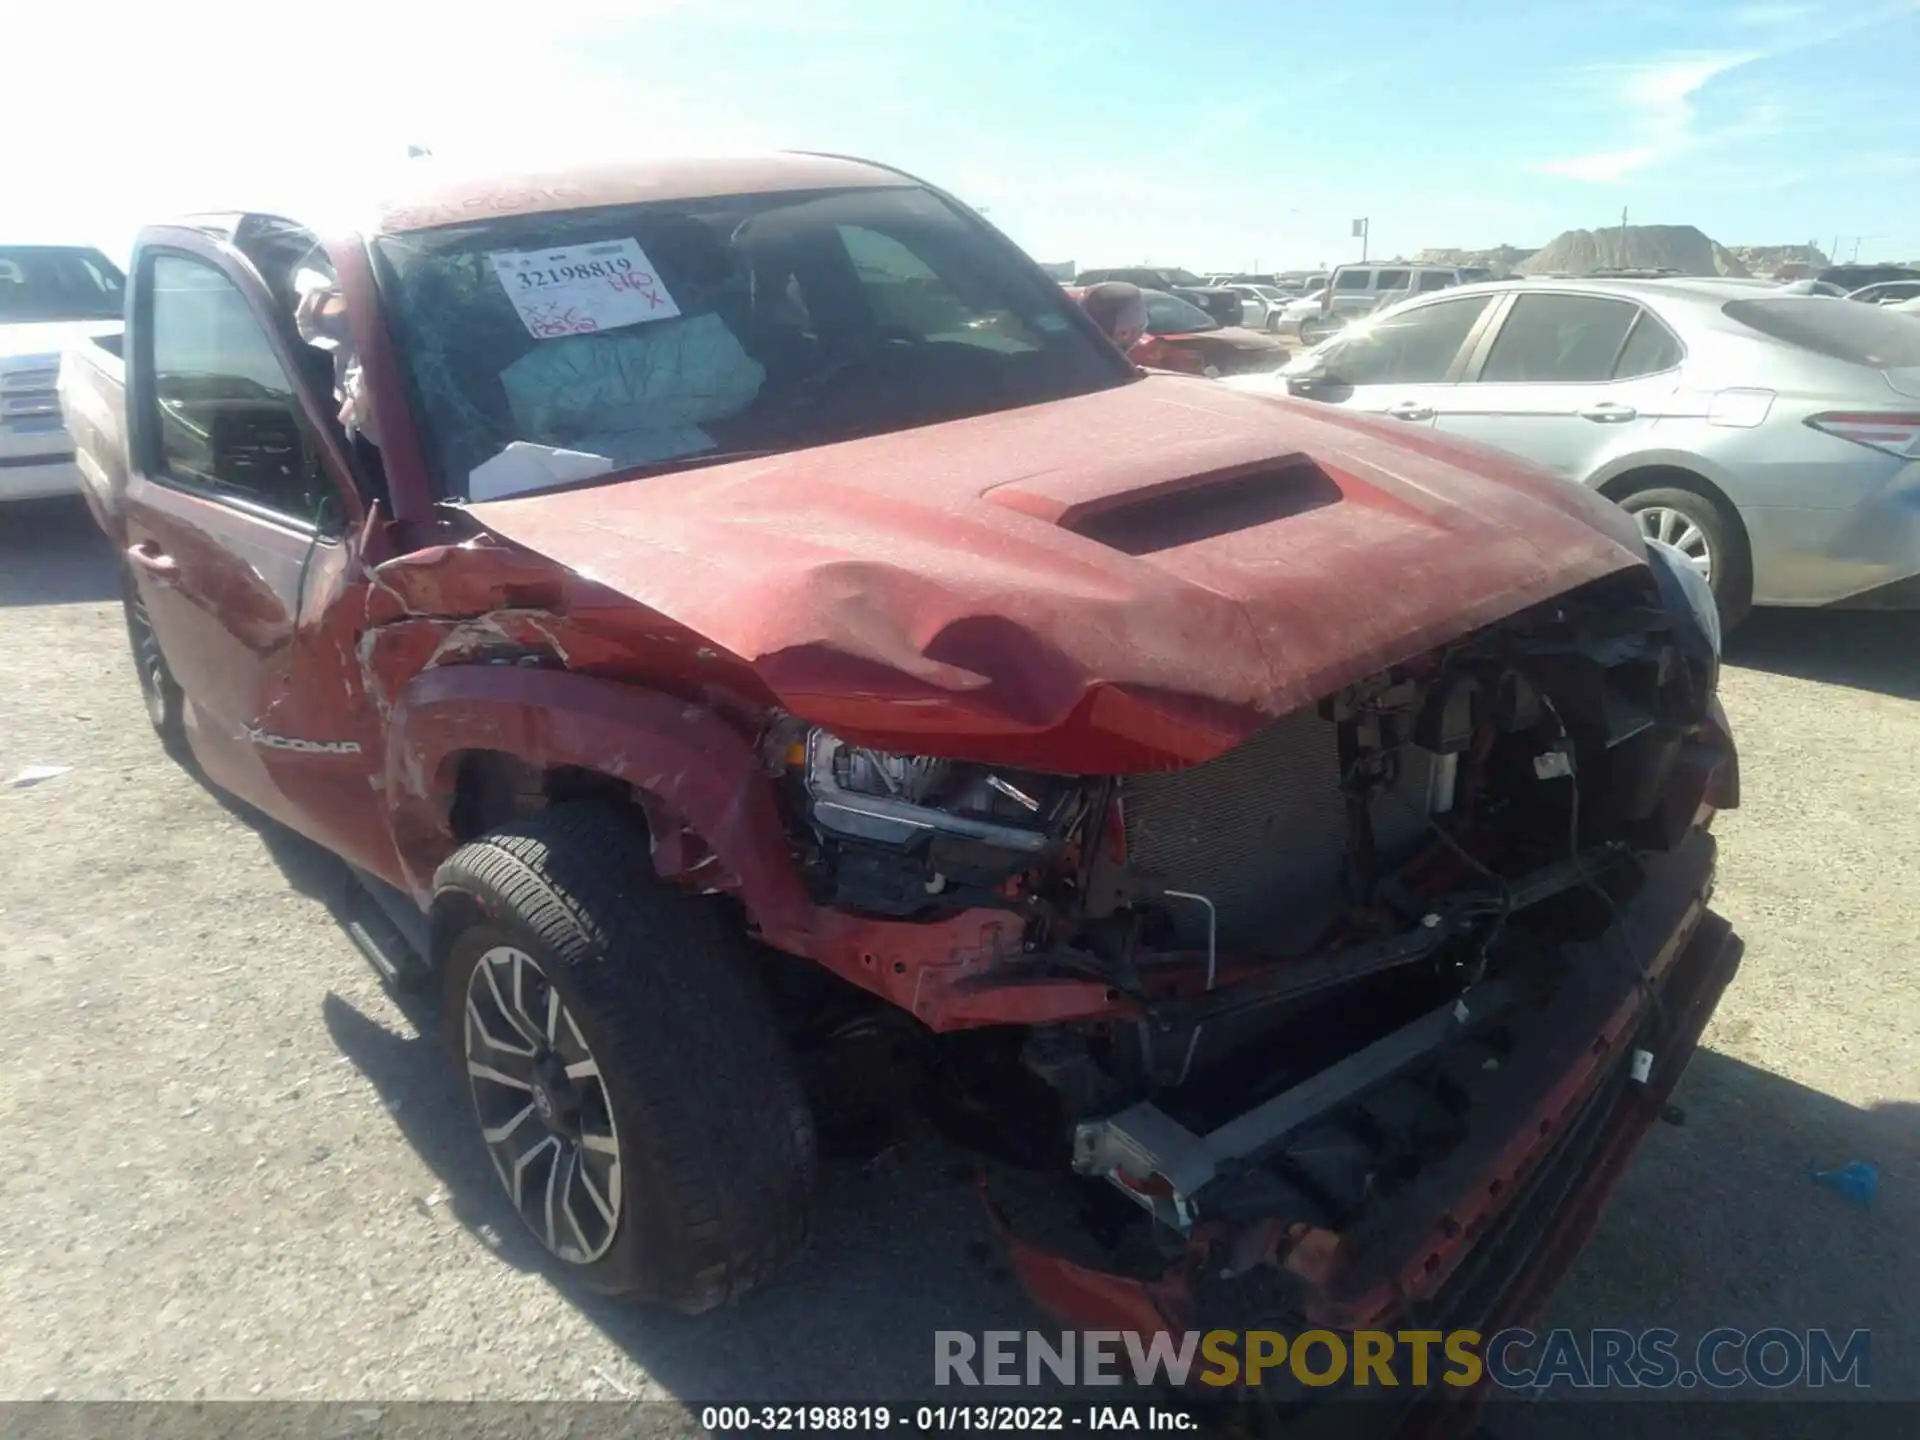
(1009, 588)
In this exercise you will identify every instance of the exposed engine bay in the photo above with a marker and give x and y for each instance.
(1322, 940)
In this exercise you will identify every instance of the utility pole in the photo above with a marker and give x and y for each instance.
(1360, 229)
(1623, 237)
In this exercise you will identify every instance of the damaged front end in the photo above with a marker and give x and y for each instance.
(1362, 1015)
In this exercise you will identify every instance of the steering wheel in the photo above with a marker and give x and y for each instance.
(884, 335)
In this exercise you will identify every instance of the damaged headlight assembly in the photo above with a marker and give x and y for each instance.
(881, 798)
(901, 834)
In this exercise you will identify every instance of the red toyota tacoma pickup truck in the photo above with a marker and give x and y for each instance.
(726, 610)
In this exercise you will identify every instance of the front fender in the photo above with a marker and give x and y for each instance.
(683, 758)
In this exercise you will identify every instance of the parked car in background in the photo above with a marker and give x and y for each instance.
(48, 294)
(1850, 278)
(619, 671)
(1772, 438)
(1301, 282)
(1184, 337)
(1887, 292)
(1356, 290)
(1260, 305)
(1222, 304)
(1305, 318)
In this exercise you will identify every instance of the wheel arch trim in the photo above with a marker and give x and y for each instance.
(1614, 479)
(683, 761)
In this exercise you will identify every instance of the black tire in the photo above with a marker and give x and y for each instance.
(715, 1158)
(1731, 567)
(165, 704)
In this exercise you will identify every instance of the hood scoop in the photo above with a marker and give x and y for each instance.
(1182, 511)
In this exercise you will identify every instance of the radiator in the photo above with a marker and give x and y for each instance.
(1262, 833)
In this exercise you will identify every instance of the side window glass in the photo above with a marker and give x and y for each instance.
(1566, 339)
(1415, 347)
(1433, 280)
(1650, 348)
(1353, 280)
(226, 418)
(1392, 280)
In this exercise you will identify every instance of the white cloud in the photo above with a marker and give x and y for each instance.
(1658, 97)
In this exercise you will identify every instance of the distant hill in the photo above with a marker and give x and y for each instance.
(1639, 247)
(1501, 259)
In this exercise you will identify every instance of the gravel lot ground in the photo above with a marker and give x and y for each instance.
(238, 1169)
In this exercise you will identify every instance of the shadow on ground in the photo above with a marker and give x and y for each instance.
(1864, 649)
(51, 553)
(901, 1243)
(1719, 1223)
(900, 1249)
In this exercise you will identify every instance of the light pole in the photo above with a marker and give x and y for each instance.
(1360, 229)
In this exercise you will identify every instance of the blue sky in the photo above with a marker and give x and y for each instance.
(1211, 136)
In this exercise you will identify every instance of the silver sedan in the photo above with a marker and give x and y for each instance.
(1775, 439)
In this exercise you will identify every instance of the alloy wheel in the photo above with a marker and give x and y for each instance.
(147, 660)
(543, 1106)
(1677, 528)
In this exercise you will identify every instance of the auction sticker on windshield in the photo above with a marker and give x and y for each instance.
(579, 289)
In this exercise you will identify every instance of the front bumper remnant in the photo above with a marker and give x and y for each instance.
(1484, 1238)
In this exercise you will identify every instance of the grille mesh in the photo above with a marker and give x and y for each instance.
(1262, 832)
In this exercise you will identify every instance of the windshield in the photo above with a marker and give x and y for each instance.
(1268, 292)
(1170, 315)
(57, 282)
(1182, 277)
(662, 333)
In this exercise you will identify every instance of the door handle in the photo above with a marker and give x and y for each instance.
(1607, 413)
(151, 558)
(1410, 410)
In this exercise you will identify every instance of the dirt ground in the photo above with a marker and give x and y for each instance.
(236, 1168)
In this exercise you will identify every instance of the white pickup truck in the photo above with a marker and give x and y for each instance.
(50, 295)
